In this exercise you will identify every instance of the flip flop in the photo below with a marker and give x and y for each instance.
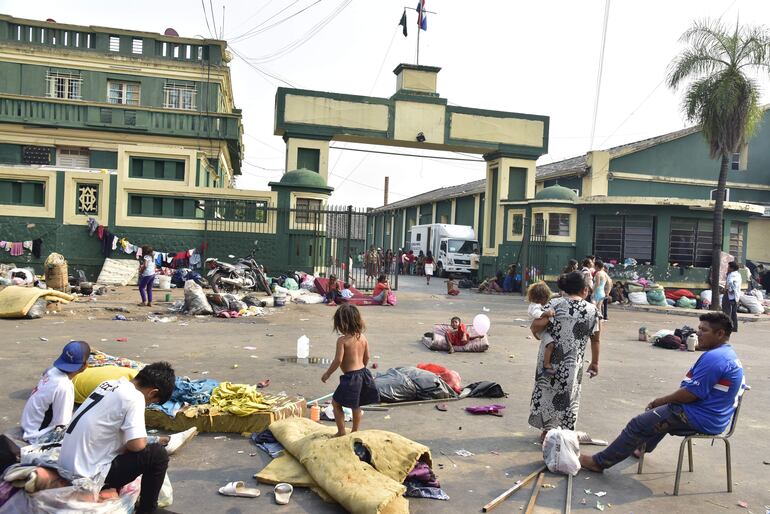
(282, 493)
(584, 438)
(263, 383)
(442, 407)
(239, 489)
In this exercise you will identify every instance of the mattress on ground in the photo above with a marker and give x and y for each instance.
(322, 287)
(335, 468)
(208, 419)
(16, 301)
(439, 341)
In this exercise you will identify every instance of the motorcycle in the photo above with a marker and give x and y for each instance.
(246, 275)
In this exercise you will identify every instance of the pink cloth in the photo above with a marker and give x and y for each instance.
(17, 249)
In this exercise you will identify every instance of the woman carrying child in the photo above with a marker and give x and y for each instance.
(556, 397)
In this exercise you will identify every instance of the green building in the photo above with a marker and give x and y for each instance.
(649, 202)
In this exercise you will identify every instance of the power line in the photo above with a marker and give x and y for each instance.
(601, 69)
(261, 71)
(305, 37)
(206, 17)
(256, 29)
(407, 154)
(384, 57)
(214, 19)
(241, 24)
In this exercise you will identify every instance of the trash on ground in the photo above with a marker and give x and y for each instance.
(119, 317)
(600, 506)
(122, 339)
(44, 339)
(464, 453)
(601, 493)
(250, 348)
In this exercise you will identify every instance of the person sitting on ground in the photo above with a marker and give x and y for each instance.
(334, 292)
(49, 407)
(107, 441)
(357, 385)
(492, 285)
(704, 403)
(618, 293)
(381, 290)
(457, 336)
(451, 287)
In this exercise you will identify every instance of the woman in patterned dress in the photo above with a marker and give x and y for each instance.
(556, 398)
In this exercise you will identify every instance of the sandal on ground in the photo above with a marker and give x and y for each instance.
(263, 383)
(442, 407)
(584, 438)
(239, 489)
(282, 493)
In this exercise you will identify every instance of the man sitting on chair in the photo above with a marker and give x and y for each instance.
(704, 403)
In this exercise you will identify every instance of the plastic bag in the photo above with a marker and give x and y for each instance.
(656, 297)
(561, 451)
(451, 377)
(751, 303)
(195, 300)
(290, 284)
(392, 298)
(638, 298)
(64, 500)
(687, 303)
(166, 496)
(37, 310)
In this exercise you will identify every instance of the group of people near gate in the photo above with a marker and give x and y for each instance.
(401, 262)
(567, 324)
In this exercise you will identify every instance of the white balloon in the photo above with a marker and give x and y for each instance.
(481, 324)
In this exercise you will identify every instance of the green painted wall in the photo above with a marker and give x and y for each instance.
(444, 209)
(464, 210)
(618, 187)
(517, 183)
(426, 214)
(106, 160)
(30, 80)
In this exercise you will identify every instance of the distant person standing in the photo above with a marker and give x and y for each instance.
(147, 275)
(428, 264)
(603, 284)
(732, 293)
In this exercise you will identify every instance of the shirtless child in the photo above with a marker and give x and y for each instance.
(356, 384)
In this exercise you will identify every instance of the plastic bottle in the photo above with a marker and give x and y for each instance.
(303, 347)
(692, 342)
(315, 412)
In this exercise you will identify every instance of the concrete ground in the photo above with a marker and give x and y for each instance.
(505, 449)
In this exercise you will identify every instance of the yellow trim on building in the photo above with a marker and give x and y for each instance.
(71, 179)
(292, 154)
(571, 238)
(705, 205)
(639, 177)
(511, 236)
(48, 177)
(293, 196)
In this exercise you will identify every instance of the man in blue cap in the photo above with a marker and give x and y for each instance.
(51, 403)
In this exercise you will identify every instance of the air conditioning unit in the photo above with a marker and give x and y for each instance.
(713, 194)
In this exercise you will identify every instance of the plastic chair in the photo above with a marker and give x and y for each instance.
(689, 435)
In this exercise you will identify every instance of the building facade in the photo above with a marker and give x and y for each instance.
(648, 204)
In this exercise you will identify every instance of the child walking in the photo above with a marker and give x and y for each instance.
(538, 295)
(357, 386)
(147, 275)
(429, 263)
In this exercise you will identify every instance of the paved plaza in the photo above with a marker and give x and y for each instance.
(505, 449)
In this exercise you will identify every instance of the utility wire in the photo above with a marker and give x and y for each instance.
(601, 69)
(206, 17)
(256, 29)
(261, 71)
(214, 19)
(384, 58)
(241, 24)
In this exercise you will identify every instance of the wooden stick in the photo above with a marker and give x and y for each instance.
(419, 402)
(374, 408)
(524, 481)
(322, 398)
(535, 492)
(568, 501)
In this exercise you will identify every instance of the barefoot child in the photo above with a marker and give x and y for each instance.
(356, 384)
(538, 295)
(457, 336)
(451, 287)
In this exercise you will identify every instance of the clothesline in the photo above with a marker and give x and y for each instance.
(17, 248)
(111, 242)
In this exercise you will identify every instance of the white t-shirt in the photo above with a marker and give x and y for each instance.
(49, 405)
(535, 311)
(734, 282)
(110, 417)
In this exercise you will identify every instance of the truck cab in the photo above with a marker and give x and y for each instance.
(451, 246)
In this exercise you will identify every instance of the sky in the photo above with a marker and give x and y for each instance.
(539, 57)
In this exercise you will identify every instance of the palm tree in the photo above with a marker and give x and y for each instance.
(721, 98)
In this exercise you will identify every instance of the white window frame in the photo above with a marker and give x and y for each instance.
(137, 45)
(735, 161)
(122, 98)
(180, 96)
(71, 85)
(114, 43)
(713, 194)
(73, 157)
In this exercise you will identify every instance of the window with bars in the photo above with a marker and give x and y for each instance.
(558, 224)
(304, 210)
(73, 157)
(127, 93)
(36, 155)
(617, 238)
(517, 227)
(737, 235)
(539, 224)
(63, 85)
(690, 242)
(179, 96)
(136, 45)
(114, 44)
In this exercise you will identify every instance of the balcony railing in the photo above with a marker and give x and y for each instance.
(61, 113)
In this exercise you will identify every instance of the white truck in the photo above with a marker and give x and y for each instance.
(451, 246)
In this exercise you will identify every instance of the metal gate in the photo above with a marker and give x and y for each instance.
(537, 258)
(323, 240)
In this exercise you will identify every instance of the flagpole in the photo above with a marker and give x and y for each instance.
(418, 44)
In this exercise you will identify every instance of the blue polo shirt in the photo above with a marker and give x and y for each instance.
(717, 380)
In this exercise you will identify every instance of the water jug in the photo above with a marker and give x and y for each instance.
(315, 412)
(303, 347)
(692, 342)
